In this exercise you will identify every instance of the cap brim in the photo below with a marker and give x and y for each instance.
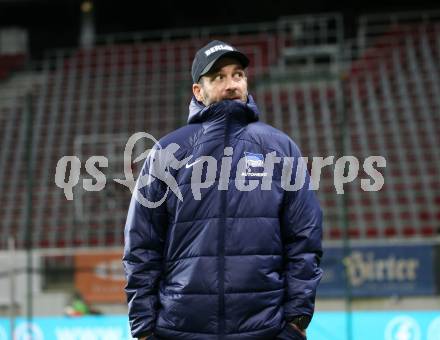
(244, 61)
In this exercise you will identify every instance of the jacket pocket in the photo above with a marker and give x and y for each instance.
(290, 333)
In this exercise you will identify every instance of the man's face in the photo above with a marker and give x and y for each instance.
(226, 80)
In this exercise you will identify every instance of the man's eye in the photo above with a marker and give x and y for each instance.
(218, 77)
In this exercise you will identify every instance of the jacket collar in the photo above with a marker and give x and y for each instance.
(242, 111)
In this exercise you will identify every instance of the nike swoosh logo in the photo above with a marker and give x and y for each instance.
(188, 165)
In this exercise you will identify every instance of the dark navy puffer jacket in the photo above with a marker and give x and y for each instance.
(232, 264)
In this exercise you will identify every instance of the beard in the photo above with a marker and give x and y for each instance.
(207, 100)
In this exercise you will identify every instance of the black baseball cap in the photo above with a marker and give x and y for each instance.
(206, 57)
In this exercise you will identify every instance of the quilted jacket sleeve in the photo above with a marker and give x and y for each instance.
(144, 235)
(301, 225)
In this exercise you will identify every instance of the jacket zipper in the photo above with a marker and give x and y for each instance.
(221, 247)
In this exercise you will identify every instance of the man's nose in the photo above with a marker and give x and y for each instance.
(231, 84)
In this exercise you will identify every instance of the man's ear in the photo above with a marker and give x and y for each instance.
(197, 91)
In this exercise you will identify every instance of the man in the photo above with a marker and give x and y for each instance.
(238, 258)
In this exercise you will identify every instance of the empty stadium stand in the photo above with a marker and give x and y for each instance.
(383, 100)
(10, 63)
